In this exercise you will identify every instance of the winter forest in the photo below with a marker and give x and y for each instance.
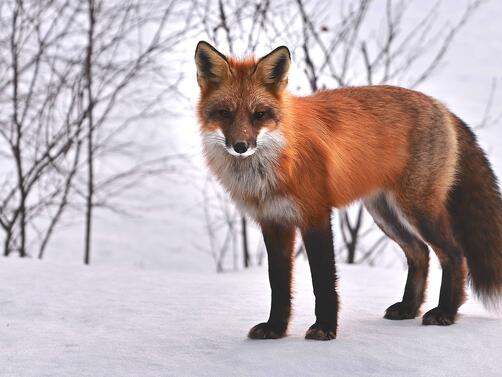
(122, 255)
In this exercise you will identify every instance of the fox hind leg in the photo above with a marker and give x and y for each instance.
(417, 256)
(437, 231)
(431, 221)
(388, 217)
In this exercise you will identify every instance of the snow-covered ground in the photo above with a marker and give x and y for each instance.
(69, 320)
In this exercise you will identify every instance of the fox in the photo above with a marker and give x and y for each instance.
(287, 161)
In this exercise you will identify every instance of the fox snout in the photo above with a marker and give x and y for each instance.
(241, 143)
(241, 147)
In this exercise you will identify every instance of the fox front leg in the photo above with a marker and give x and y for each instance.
(318, 242)
(279, 241)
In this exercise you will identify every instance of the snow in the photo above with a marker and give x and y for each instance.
(70, 320)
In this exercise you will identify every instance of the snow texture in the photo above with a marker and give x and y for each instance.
(61, 320)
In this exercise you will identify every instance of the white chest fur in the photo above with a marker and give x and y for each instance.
(252, 177)
(279, 209)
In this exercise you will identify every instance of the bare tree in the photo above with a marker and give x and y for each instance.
(34, 137)
(91, 11)
(76, 74)
(120, 63)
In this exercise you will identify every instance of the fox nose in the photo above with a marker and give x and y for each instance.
(241, 147)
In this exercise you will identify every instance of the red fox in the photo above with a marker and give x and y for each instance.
(288, 160)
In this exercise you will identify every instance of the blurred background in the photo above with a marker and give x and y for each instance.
(100, 158)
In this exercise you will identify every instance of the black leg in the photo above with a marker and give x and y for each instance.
(452, 292)
(438, 234)
(417, 255)
(279, 241)
(318, 242)
(416, 251)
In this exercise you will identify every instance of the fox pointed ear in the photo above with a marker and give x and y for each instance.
(273, 68)
(212, 65)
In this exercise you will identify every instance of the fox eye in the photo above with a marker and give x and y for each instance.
(258, 115)
(224, 114)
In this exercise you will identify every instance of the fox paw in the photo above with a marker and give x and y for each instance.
(321, 332)
(400, 310)
(265, 331)
(438, 317)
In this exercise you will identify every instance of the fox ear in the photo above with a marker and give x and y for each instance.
(273, 68)
(212, 65)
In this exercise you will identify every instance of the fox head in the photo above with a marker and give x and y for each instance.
(240, 102)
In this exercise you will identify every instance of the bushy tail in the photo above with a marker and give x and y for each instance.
(475, 207)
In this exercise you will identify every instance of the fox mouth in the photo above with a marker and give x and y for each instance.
(268, 145)
(251, 151)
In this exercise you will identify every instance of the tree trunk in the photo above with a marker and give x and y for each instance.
(90, 135)
(16, 148)
(245, 244)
